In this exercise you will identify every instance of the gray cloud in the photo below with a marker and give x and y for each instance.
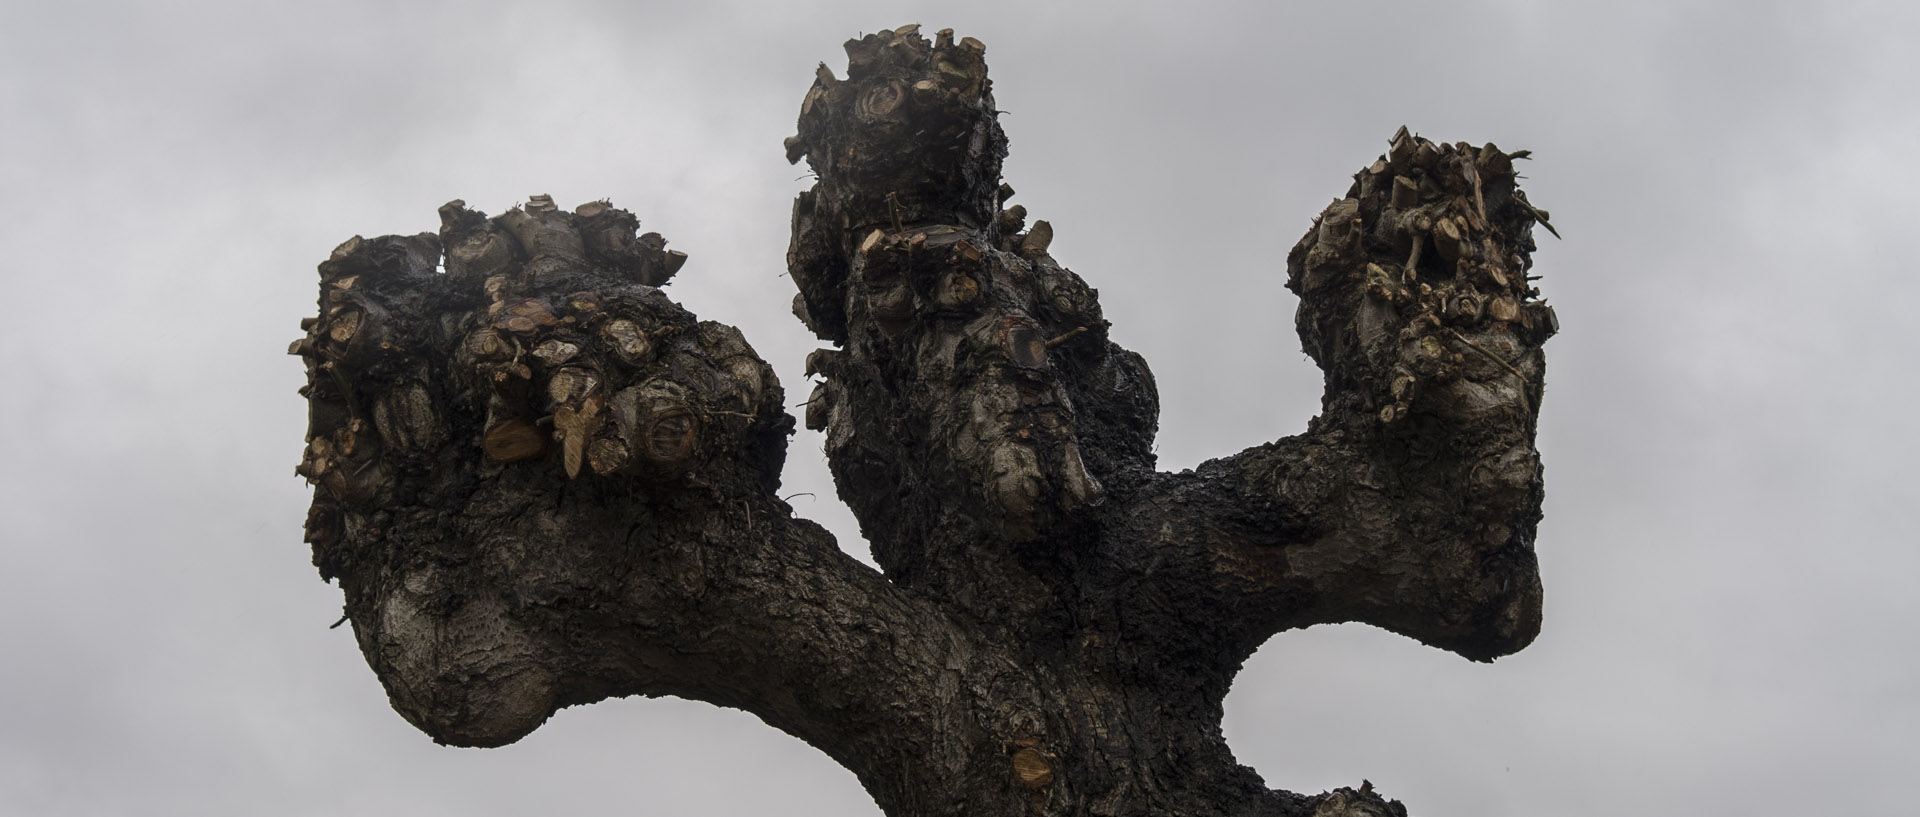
(1729, 525)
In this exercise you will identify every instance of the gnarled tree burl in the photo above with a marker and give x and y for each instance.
(541, 483)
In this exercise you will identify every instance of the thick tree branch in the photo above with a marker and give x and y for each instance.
(1411, 502)
(977, 406)
(541, 483)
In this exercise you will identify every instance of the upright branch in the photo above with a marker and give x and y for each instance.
(1412, 500)
(541, 483)
(978, 413)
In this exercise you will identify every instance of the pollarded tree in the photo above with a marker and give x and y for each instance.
(542, 483)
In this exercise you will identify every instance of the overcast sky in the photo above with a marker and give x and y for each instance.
(1729, 550)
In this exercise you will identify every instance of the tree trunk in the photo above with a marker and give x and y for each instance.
(541, 483)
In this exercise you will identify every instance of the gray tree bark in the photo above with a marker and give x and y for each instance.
(541, 483)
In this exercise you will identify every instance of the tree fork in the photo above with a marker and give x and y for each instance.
(541, 483)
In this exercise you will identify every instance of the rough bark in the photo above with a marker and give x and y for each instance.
(541, 483)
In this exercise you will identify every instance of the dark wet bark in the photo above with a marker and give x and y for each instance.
(541, 483)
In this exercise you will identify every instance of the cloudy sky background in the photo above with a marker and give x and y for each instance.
(1729, 546)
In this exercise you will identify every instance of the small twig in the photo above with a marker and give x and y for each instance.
(1472, 172)
(1537, 215)
(802, 493)
(336, 625)
(1490, 355)
(1069, 335)
(893, 209)
(709, 414)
